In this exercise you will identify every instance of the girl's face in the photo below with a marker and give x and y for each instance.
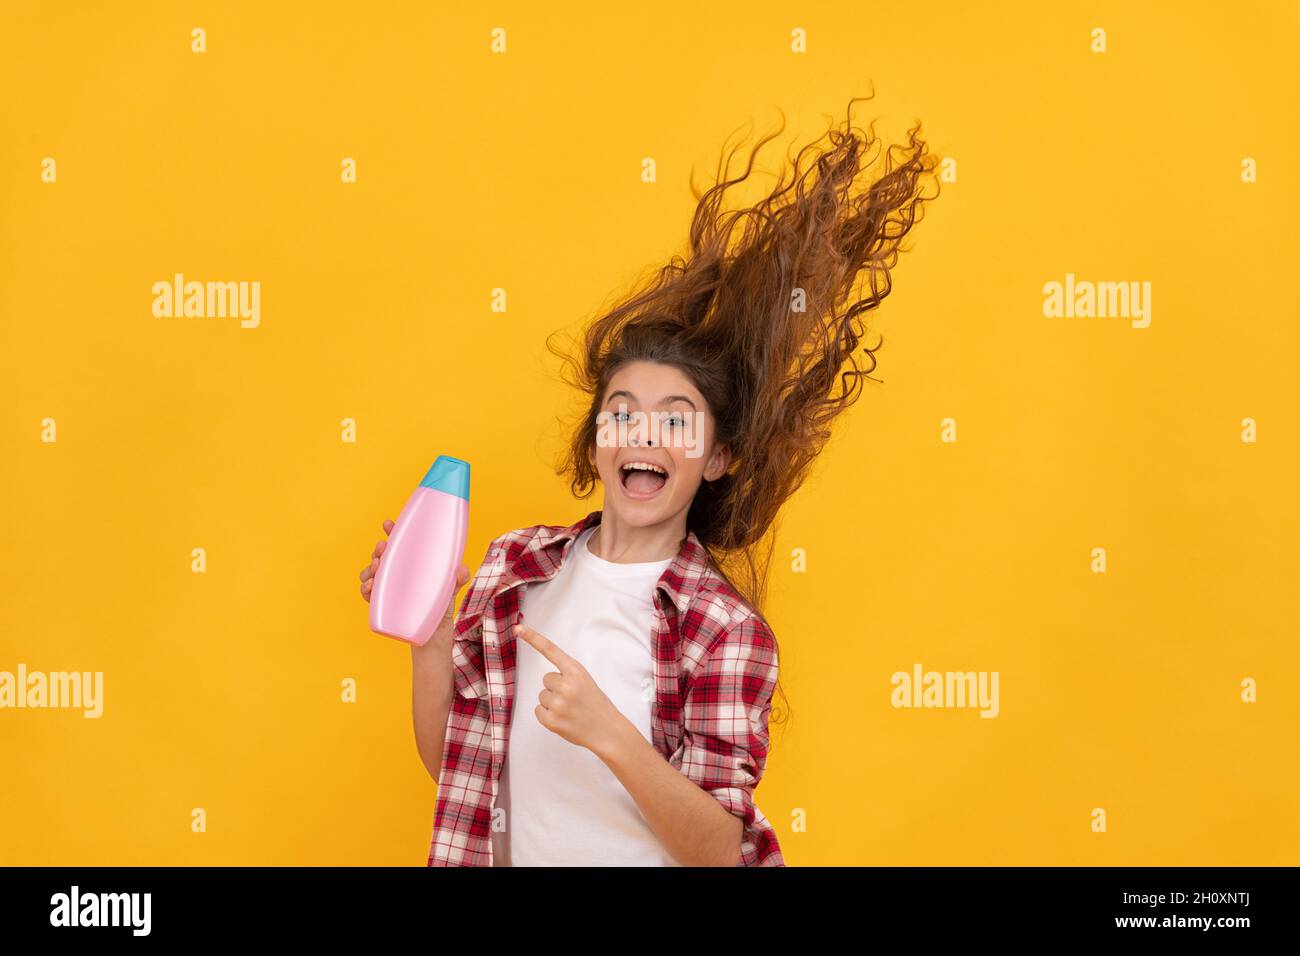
(651, 414)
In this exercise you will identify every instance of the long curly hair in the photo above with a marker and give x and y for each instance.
(764, 314)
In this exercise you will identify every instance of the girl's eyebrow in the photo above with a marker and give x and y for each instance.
(667, 399)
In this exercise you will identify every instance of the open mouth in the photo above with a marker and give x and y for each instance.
(642, 480)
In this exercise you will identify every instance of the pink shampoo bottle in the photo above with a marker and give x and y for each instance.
(416, 578)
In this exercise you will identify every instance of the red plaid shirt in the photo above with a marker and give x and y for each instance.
(715, 667)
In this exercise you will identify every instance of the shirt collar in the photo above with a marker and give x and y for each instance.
(545, 553)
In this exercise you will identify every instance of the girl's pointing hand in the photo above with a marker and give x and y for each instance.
(571, 703)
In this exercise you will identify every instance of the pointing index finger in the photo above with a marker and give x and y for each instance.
(546, 647)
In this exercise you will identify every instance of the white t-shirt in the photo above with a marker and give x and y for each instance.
(563, 806)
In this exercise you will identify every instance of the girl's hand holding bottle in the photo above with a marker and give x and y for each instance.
(442, 637)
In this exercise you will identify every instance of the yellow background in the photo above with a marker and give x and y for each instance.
(522, 171)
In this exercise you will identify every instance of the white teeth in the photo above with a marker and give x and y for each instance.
(645, 466)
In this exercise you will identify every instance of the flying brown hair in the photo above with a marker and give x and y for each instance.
(764, 315)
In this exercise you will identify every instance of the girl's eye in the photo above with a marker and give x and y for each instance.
(618, 416)
(674, 420)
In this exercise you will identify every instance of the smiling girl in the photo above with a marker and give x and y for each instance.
(603, 695)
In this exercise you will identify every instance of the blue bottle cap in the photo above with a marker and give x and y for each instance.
(450, 475)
